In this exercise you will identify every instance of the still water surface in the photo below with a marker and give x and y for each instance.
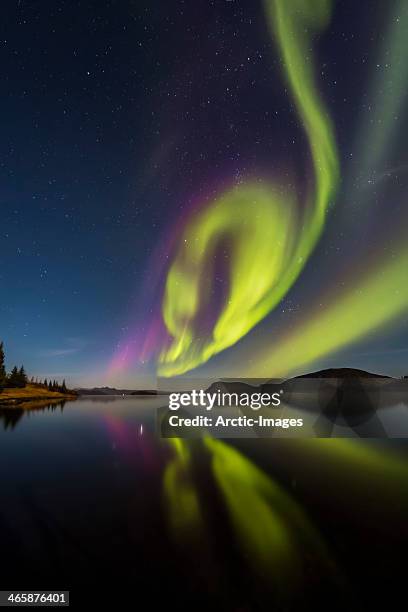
(91, 497)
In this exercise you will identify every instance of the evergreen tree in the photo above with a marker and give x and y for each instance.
(3, 376)
(45, 383)
(63, 387)
(22, 377)
(13, 378)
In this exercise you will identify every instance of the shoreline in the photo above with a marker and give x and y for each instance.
(10, 398)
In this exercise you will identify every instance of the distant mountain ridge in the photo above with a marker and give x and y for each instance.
(114, 391)
(298, 382)
(242, 385)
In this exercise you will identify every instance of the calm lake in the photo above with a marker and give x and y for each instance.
(93, 501)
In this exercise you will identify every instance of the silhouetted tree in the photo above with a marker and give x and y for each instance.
(22, 377)
(13, 378)
(3, 376)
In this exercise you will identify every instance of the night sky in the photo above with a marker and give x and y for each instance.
(120, 119)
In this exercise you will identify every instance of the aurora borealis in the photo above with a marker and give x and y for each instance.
(220, 187)
(272, 239)
(260, 276)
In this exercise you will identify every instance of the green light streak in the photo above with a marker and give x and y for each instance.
(358, 459)
(271, 528)
(374, 301)
(269, 524)
(271, 240)
(260, 224)
(387, 97)
(180, 494)
(380, 296)
(291, 24)
(246, 489)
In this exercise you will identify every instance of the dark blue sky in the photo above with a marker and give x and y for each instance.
(114, 117)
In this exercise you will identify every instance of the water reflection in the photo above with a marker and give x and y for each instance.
(271, 527)
(351, 402)
(11, 416)
(91, 495)
(182, 501)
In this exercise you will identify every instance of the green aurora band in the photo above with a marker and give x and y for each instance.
(379, 296)
(389, 92)
(272, 241)
(270, 238)
(372, 302)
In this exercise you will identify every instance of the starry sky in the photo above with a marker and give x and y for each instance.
(120, 118)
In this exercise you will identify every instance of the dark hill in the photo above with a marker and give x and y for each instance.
(342, 373)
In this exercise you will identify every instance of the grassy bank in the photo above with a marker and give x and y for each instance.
(11, 397)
